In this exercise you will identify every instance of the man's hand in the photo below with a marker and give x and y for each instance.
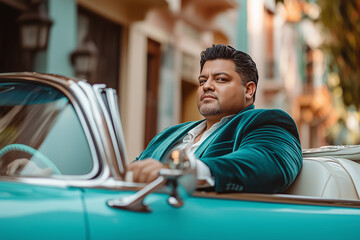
(145, 171)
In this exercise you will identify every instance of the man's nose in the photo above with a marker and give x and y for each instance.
(208, 85)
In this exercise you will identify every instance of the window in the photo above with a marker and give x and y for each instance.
(106, 35)
(152, 90)
(269, 44)
(40, 133)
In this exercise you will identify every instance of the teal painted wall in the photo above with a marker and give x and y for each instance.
(62, 40)
(241, 30)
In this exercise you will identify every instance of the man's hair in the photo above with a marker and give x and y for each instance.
(244, 65)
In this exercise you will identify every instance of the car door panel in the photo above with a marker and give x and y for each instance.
(39, 212)
(211, 218)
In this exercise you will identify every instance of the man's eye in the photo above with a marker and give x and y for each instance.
(202, 81)
(221, 79)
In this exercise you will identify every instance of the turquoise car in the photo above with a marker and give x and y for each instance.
(63, 176)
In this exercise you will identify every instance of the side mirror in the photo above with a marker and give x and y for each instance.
(179, 171)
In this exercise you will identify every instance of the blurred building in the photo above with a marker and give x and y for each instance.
(149, 50)
(285, 43)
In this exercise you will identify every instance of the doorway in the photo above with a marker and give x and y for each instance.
(152, 89)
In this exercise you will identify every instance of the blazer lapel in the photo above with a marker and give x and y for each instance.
(174, 138)
(201, 149)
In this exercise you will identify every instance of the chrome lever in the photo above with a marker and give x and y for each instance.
(174, 199)
(135, 202)
(177, 166)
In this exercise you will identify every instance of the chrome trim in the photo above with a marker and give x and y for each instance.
(103, 138)
(117, 168)
(280, 198)
(98, 183)
(109, 184)
(112, 101)
(61, 80)
(88, 125)
(48, 182)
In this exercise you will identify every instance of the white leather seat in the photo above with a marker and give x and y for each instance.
(351, 152)
(327, 177)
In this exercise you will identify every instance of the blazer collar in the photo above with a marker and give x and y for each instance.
(174, 138)
(181, 132)
(210, 138)
(252, 106)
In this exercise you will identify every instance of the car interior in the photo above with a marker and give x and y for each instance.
(329, 173)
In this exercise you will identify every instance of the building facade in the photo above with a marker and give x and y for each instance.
(149, 51)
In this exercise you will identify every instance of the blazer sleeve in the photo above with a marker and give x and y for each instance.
(267, 159)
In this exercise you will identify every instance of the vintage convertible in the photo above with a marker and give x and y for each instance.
(63, 168)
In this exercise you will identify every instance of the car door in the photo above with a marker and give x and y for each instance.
(34, 211)
(216, 216)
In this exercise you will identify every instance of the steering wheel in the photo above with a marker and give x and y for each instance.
(32, 151)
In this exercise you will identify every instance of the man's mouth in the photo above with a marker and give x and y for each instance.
(208, 96)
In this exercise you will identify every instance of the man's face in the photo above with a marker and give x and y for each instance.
(221, 92)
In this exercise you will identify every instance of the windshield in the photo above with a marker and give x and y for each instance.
(40, 133)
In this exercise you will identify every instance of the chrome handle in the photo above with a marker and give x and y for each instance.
(177, 166)
(135, 202)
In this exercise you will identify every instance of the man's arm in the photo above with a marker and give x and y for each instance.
(266, 153)
(147, 170)
(267, 160)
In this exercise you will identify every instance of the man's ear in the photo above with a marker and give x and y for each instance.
(250, 89)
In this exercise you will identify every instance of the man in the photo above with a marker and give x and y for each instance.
(237, 148)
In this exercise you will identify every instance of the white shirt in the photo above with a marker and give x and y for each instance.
(203, 171)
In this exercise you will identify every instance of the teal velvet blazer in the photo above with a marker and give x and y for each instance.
(257, 150)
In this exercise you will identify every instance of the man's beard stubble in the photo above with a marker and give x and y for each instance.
(209, 110)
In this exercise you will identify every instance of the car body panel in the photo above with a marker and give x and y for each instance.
(41, 212)
(216, 218)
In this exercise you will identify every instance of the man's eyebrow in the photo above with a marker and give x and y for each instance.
(201, 76)
(221, 73)
(215, 75)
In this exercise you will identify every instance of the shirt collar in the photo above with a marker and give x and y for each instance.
(199, 128)
(195, 131)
